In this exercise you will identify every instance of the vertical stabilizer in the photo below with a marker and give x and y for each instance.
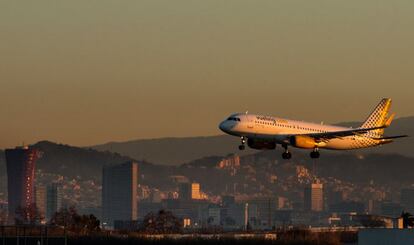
(379, 117)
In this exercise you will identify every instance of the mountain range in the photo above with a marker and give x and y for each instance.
(75, 162)
(175, 151)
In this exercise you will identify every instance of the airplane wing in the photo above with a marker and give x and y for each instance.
(340, 134)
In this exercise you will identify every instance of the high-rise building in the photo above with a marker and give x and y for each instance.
(53, 200)
(234, 214)
(189, 191)
(407, 199)
(313, 197)
(184, 191)
(21, 163)
(119, 193)
(264, 209)
(195, 191)
(41, 201)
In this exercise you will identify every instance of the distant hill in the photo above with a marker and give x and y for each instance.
(72, 161)
(392, 170)
(86, 163)
(69, 161)
(174, 151)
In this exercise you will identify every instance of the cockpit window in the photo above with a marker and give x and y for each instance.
(233, 119)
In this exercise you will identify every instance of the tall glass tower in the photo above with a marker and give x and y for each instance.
(21, 163)
(119, 193)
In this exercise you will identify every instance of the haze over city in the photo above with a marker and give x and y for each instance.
(86, 73)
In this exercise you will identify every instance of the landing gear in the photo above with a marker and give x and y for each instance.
(315, 153)
(243, 141)
(286, 154)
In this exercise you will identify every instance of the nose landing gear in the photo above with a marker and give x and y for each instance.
(243, 141)
(286, 154)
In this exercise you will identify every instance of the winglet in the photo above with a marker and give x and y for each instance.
(389, 120)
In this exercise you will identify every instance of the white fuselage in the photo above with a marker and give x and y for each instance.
(277, 130)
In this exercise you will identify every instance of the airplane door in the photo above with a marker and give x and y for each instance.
(250, 123)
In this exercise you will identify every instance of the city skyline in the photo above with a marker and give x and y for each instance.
(260, 188)
(80, 72)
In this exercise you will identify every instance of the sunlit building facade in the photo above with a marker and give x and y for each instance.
(313, 196)
(190, 191)
(195, 191)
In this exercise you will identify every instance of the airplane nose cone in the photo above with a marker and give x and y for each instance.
(226, 126)
(222, 126)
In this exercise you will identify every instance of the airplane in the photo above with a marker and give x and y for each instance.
(265, 132)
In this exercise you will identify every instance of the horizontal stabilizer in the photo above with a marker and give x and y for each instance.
(391, 137)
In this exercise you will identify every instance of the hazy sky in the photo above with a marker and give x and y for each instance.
(88, 72)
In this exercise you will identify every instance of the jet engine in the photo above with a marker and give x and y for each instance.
(261, 144)
(304, 142)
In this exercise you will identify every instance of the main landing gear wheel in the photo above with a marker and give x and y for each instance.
(243, 141)
(286, 154)
(314, 154)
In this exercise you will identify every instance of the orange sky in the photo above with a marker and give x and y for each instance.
(88, 72)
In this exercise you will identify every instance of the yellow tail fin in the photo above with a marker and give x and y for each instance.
(379, 117)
